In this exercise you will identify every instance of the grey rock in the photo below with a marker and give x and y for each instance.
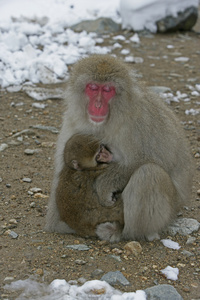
(115, 278)
(12, 234)
(101, 26)
(29, 151)
(80, 247)
(187, 253)
(81, 280)
(162, 292)
(32, 205)
(35, 190)
(116, 257)
(190, 240)
(159, 89)
(97, 272)
(14, 143)
(80, 262)
(9, 279)
(14, 88)
(183, 226)
(183, 21)
(41, 94)
(3, 147)
(26, 179)
(48, 128)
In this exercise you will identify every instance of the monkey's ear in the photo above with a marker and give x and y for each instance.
(75, 165)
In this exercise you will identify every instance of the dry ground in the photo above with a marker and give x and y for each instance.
(44, 255)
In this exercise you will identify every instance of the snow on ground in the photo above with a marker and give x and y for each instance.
(170, 273)
(60, 289)
(170, 244)
(143, 14)
(65, 12)
(36, 45)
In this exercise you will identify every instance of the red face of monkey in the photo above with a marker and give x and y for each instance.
(99, 97)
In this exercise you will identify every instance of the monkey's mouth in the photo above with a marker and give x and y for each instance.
(97, 119)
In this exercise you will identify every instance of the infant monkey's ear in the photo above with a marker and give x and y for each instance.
(75, 165)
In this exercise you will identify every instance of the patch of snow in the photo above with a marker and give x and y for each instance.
(170, 273)
(192, 111)
(143, 14)
(60, 289)
(170, 244)
(182, 59)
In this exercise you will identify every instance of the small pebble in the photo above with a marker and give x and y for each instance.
(187, 253)
(35, 190)
(191, 240)
(82, 280)
(133, 248)
(29, 180)
(3, 147)
(39, 195)
(39, 272)
(32, 205)
(80, 247)
(80, 262)
(29, 151)
(9, 279)
(97, 272)
(12, 234)
(13, 221)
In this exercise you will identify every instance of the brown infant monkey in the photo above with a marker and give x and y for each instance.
(77, 200)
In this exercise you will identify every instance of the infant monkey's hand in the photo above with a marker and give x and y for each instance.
(110, 199)
(104, 155)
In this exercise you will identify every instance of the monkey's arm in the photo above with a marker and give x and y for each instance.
(112, 181)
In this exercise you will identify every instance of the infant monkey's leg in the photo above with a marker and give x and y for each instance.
(104, 155)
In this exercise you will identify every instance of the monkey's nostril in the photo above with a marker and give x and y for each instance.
(98, 105)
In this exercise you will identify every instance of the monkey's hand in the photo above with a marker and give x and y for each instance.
(110, 199)
(111, 183)
(104, 155)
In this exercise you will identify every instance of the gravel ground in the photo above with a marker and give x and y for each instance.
(44, 256)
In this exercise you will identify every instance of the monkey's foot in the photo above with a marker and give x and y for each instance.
(60, 227)
(152, 237)
(109, 231)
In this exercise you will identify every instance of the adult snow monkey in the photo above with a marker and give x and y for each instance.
(104, 98)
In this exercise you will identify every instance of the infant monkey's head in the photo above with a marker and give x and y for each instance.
(85, 152)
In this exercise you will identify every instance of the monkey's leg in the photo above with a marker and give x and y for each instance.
(149, 202)
(53, 221)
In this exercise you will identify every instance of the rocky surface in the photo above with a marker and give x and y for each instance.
(27, 143)
(100, 26)
(183, 21)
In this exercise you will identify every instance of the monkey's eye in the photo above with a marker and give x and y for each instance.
(106, 88)
(93, 87)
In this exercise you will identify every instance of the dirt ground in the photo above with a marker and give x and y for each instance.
(44, 255)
